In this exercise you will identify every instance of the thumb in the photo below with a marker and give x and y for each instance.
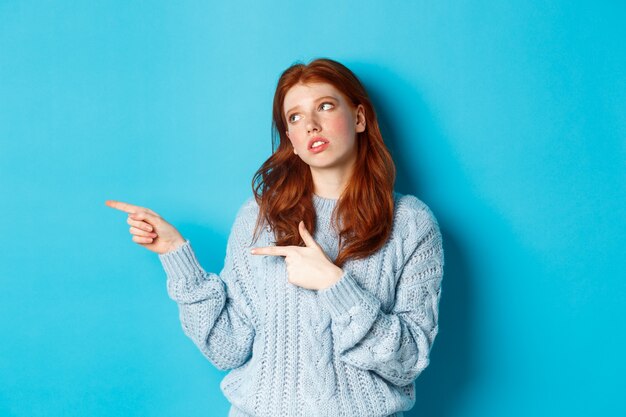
(306, 236)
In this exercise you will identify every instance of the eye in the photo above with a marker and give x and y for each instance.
(327, 103)
(291, 118)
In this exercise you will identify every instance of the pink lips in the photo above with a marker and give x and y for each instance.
(318, 148)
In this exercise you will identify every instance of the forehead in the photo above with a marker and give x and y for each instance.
(301, 94)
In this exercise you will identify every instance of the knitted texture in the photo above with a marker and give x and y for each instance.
(352, 349)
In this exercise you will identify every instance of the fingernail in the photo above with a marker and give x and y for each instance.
(252, 251)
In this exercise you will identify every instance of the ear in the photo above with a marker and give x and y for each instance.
(360, 118)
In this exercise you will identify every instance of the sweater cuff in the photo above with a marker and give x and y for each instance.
(181, 262)
(343, 296)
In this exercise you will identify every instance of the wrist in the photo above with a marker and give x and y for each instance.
(334, 275)
(176, 244)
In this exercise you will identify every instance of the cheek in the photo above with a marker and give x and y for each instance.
(296, 138)
(343, 126)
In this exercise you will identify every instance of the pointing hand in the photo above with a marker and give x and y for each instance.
(307, 266)
(148, 228)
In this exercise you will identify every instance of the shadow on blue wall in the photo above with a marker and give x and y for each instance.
(441, 386)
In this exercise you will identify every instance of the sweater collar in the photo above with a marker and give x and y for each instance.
(324, 206)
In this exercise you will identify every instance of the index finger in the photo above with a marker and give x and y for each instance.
(119, 205)
(271, 250)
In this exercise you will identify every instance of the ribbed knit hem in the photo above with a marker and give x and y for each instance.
(342, 296)
(181, 262)
(235, 412)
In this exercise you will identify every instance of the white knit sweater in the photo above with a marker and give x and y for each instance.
(352, 349)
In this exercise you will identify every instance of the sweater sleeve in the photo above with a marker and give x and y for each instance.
(216, 311)
(396, 345)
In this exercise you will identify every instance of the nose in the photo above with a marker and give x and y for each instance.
(313, 123)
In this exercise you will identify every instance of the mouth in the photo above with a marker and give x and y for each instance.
(317, 143)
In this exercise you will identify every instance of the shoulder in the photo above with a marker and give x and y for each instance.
(248, 209)
(413, 219)
(245, 221)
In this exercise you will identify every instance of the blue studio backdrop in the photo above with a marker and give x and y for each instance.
(506, 118)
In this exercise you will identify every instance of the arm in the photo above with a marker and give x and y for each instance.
(216, 311)
(396, 345)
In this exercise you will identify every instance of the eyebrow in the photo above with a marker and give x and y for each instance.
(316, 100)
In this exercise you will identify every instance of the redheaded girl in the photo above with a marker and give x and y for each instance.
(328, 301)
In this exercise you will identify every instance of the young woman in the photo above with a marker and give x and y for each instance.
(327, 304)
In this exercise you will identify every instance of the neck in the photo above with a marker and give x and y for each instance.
(331, 182)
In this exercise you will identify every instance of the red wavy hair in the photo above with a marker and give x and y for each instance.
(283, 185)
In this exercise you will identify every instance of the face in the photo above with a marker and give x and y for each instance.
(322, 125)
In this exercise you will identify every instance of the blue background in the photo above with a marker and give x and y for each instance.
(506, 118)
